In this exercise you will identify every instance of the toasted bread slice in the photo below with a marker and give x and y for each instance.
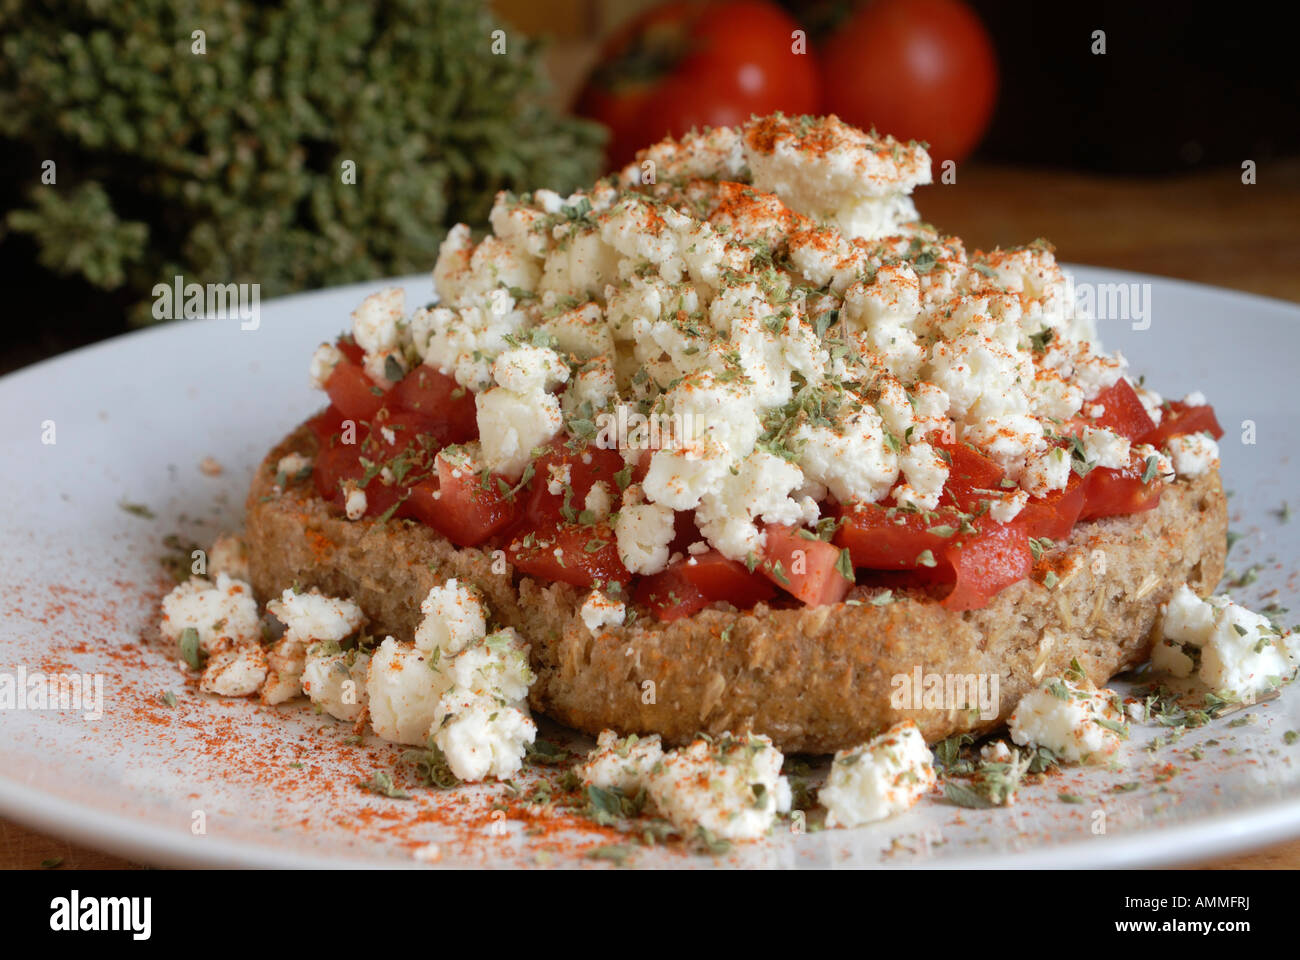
(813, 679)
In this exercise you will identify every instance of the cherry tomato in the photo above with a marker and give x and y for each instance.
(916, 69)
(683, 65)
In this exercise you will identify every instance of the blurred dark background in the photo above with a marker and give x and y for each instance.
(1131, 159)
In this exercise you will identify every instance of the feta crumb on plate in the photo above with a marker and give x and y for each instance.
(621, 763)
(1235, 652)
(730, 786)
(1070, 717)
(403, 692)
(879, 778)
(335, 680)
(234, 669)
(481, 736)
(225, 609)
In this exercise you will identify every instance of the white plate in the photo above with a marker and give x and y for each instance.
(133, 418)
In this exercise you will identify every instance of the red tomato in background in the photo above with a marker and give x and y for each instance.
(683, 65)
(916, 69)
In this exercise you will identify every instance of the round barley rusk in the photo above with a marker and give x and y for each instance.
(814, 680)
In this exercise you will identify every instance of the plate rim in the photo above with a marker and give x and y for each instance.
(131, 837)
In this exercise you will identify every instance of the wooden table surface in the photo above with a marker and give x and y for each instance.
(1208, 227)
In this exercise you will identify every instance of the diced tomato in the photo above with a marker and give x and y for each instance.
(1055, 515)
(720, 578)
(339, 462)
(1179, 419)
(987, 563)
(581, 554)
(325, 424)
(336, 462)
(381, 497)
(586, 467)
(441, 399)
(884, 538)
(353, 392)
(460, 507)
(1123, 413)
(670, 595)
(969, 472)
(410, 431)
(807, 569)
(351, 349)
(1114, 492)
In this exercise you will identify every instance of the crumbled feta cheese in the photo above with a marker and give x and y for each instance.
(620, 763)
(643, 533)
(1104, 448)
(558, 476)
(224, 610)
(926, 473)
(730, 786)
(528, 369)
(284, 661)
(1070, 717)
(1150, 457)
(1193, 454)
(323, 362)
(354, 501)
(335, 680)
(375, 322)
(1235, 652)
(1046, 472)
(853, 459)
(310, 615)
(598, 611)
(759, 488)
(454, 617)
(879, 778)
(481, 737)
(1007, 508)
(1152, 403)
(512, 424)
(857, 181)
(403, 691)
(292, 465)
(495, 666)
(598, 501)
(235, 669)
(996, 751)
